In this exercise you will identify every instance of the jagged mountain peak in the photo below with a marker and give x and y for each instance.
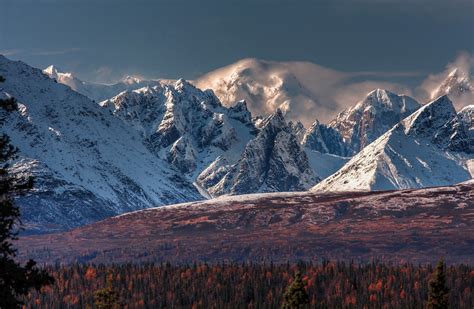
(428, 148)
(275, 120)
(52, 70)
(61, 76)
(387, 100)
(184, 125)
(87, 164)
(240, 112)
(182, 83)
(456, 84)
(371, 117)
(272, 161)
(240, 106)
(430, 117)
(130, 80)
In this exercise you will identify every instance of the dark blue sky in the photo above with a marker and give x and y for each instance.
(105, 39)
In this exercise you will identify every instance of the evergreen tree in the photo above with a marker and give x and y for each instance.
(15, 280)
(9, 104)
(106, 298)
(295, 296)
(438, 292)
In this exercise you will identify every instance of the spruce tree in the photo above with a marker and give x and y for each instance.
(295, 296)
(438, 291)
(15, 280)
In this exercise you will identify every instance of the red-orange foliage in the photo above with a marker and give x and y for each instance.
(91, 274)
(329, 285)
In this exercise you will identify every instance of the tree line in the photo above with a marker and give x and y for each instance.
(328, 284)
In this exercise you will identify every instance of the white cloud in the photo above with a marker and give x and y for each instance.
(304, 90)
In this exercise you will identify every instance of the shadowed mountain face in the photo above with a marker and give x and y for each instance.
(409, 225)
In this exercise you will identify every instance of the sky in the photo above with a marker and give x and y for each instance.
(104, 40)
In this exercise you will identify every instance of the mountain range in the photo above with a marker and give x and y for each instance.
(102, 150)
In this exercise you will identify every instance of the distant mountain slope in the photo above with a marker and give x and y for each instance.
(400, 226)
(96, 91)
(296, 87)
(458, 86)
(364, 122)
(431, 147)
(88, 164)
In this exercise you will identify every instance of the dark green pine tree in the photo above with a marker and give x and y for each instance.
(438, 291)
(106, 298)
(15, 280)
(295, 296)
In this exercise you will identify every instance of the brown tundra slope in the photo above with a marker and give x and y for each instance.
(409, 225)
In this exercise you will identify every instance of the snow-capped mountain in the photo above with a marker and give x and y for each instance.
(96, 91)
(457, 85)
(299, 89)
(88, 163)
(185, 126)
(431, 147)
(221, 149)
(273, 161)
(370, 118)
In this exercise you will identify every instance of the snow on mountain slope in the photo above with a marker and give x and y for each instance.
(273, 161)
(370, 118)
(325, 164)
(209, 143)
(89, 164)
(429, 148)
(96, 91)
(185, 126)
